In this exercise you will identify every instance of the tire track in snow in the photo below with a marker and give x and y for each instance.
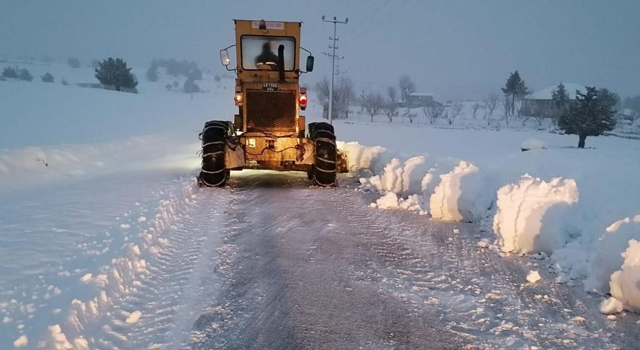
(181, 282)
(515, 316)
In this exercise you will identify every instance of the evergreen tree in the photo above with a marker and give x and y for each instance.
(114, 73)
(25, 75)
(73, 62)
(514, 88)
(560, 97)
(190, 86)
(10, 73)
(592, 115)
(47, 78)
(196, 74)
(152, 72)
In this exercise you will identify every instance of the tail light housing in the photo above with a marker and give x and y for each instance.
(302, 100)
(237, 98)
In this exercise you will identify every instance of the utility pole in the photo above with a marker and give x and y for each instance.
(338, 70)
(338, 59)
(333, 60)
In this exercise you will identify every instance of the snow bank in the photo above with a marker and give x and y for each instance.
(608, 255)
(522, 210)
(461, 195)
(625, 283)
(27, 166)
(534, 215)
(121, 278)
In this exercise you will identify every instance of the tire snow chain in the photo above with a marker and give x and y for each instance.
(329, 141)
(212, 143)
(212, 154)
(325, 131)
(212, 172)
(210, 185)
(315, 180)
(214, 127)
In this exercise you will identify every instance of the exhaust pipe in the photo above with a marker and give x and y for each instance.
(281, 62)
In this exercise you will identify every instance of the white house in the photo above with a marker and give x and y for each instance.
(541, 102)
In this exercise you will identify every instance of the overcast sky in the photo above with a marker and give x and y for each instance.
(456, 49)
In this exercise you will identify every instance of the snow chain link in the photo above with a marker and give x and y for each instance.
(316, 139)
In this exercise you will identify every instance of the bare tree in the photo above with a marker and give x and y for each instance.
(521, 105)
(454, 112)
(391, 111)
(362, 100)
(343, 95)
(433, 113)
(538, 115)
(489, 105)
(411, 116)
(346, 95)
(475, 107)
(392, 94)
(506, 108)
(391, 108)
(374, 103)
(407, 86)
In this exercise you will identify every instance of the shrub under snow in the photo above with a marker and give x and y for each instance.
(522, 208)
(532, 144)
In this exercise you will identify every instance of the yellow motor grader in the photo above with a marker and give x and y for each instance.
(268, 132)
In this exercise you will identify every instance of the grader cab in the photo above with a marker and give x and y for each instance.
(268, 132)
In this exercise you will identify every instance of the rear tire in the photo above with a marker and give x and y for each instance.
(214, 137)
(323, 172)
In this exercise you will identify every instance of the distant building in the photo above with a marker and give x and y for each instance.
(420, 99)
(541, 102)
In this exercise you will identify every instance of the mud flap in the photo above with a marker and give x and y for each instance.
(306, 155)
(234, 156)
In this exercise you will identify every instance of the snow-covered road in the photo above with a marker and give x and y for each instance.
(271, 263)
(304, 268)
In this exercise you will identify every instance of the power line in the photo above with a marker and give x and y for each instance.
(365, 30)
(368, 20)
(334, 47)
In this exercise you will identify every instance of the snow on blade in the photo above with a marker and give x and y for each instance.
(522, 212)
(361, 157)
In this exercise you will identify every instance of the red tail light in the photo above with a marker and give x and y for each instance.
(303, 101)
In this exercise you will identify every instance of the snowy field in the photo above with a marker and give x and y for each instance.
(97, 192)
